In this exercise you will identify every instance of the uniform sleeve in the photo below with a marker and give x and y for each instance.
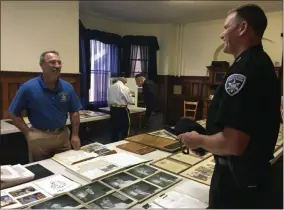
(20, 101)
(75, 104)
(127, 95)
(236, 105)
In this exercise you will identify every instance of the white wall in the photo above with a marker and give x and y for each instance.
(202, 40)
(201, 44)
(30, 27)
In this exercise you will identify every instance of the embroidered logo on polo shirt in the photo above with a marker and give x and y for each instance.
(63, 97)
(234, 84)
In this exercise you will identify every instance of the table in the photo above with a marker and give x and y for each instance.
(57, 168)
(8, 128)
(134, 111)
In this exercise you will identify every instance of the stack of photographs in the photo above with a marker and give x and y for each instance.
(88, 114)
(201, 172)
(97, 148)
(22, 195)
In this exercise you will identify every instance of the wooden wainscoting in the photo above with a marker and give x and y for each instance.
(10, 82)
(194, 88)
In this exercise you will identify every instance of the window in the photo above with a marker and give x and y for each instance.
(139, 60)
(104, 64)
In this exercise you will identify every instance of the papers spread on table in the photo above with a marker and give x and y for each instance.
(22, 195)
(175, 200)
(57, 184)
(101, 166)
(72, 157)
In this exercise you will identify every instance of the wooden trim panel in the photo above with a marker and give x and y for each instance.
(10, 82)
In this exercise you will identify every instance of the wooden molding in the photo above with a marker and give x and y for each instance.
(10, 82)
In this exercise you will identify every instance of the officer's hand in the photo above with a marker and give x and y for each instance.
(191, 140)
(76, 143)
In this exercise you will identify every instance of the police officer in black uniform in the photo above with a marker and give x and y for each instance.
(243, 117)
(153, 103)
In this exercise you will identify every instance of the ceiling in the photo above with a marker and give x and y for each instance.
(167, 11)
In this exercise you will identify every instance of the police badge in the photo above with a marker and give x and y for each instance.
(234, 83)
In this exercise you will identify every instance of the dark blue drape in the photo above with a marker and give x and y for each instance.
(111, 66)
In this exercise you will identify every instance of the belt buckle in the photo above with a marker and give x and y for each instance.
(56, 130)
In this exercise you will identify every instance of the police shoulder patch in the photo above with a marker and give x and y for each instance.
(234, 84)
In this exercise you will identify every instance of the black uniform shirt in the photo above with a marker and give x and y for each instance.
(249, 100)
(151, 97)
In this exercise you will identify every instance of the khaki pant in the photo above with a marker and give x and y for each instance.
(43, 145)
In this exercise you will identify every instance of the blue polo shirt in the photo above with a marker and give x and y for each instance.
(46, 109)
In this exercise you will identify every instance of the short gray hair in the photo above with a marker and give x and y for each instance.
(42, 55)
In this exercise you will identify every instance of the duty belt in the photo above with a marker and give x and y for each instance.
(119, 106)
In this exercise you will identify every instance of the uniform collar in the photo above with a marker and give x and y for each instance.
(44, 86)
(249, 50)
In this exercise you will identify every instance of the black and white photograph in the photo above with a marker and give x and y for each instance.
(140, 190)
(108, 168)
(91, 191)
(142, 171)
(206, 171)
(120, 180)
(163, 179)
(31, 198)
(114, 200)
(63, 201)
(23, 191)
(199, 175)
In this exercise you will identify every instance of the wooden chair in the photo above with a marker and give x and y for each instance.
(190, 107)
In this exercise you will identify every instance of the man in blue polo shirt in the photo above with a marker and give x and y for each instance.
(47, 100)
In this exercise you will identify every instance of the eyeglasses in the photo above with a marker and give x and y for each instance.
(53, 62)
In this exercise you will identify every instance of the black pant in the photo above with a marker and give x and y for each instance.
(154, 121)
(226, 194)
(120, 123)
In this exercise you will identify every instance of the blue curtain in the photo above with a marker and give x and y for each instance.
(104, 64)
(102, 67)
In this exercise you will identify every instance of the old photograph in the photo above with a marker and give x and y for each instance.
(108, 168)
(91, 191)
(22, 192)
(120, 180)
(140, 190)
(142, 171)
(114, 200)
(6, 200)
(35, 197)
(163, 179)
(171, 165)
(63, 201)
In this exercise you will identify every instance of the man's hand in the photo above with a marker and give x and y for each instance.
(191, 140)
(76, 143)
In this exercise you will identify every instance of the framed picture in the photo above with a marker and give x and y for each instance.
(90, 192)
(190, 159)
(201, 172)
(163, 179)
(119, 180)
(141, 190)
(142, 171)
(171, 165)
(63, 201)
(23, 191)
(113, 200)
(32, 198)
